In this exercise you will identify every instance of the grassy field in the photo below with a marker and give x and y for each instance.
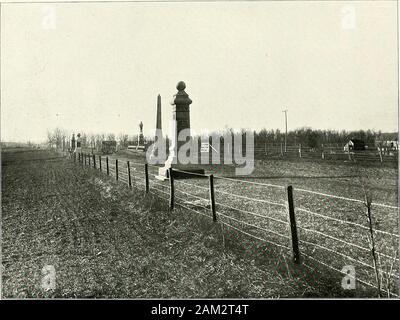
(106, 240)
(333, 231)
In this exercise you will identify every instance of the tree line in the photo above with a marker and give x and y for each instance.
(305, 136)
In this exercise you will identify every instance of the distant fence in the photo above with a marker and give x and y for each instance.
(318, 230)
(377, 155)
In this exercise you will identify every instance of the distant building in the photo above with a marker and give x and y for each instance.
(109, 146)
(355, 144)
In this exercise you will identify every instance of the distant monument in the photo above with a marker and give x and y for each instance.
(181, 115)
(140, 144)
(158, 132)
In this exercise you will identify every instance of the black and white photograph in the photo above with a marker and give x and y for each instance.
(199, 150)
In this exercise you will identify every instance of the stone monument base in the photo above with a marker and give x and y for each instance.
(181, 172)
(136, 148)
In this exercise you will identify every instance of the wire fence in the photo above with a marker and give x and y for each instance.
(374, 155)
(321, 231)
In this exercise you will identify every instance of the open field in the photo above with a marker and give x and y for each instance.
(105, 240)
(330, 210)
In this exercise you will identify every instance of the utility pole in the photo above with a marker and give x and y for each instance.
(285, 111)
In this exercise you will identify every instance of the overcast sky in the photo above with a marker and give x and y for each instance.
(99, 67)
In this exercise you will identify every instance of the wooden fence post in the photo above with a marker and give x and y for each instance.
(212, 197)
(94, 161)
(348, 152)
(171, 189)
(380, 154)
(85, 158)
(300, 150)
(108, 168)
(293, 228)
(100, 162)
(146, 177)
(89, 158)
(116, 169)
(129, 174)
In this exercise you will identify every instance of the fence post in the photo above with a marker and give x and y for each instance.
(129, 174)
(100, 162)
(94, 161)
(89, 158)
(116, 169)
(79, 157)
(146, 177)
(300, 150)
(108, 168)
(293, 228)
(348, 153)
(171, 189)
(212, 197)
(85, 158)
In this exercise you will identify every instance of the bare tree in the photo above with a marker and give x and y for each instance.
(111, 136)
(123, 139)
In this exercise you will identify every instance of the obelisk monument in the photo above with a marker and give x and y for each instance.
(158, 123)
(158, 133)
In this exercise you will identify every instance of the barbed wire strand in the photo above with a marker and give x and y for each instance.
(344, 221)
(335, 269)
(254, 226)
(252, 213)
(251, 182)
(192, 185)
(251, 199)
(191, 195)
(162, 191)
(345, 198)
(337, 253)
(253, 236)
(203, 214)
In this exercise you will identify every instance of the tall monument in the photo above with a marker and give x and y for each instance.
(181, 116)
(158, 121)
(158, 134)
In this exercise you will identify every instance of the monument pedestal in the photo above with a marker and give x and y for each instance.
(180, 171)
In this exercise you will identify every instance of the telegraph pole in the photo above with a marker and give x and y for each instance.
(285, 111)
